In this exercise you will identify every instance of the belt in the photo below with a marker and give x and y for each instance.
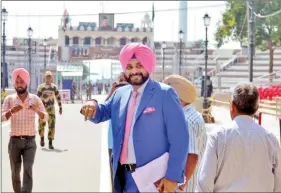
(23, 137)
(129, 167)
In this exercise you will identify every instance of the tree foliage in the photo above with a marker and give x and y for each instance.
(231, 25)
(267, 30)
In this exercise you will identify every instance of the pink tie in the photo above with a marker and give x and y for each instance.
(129, 120)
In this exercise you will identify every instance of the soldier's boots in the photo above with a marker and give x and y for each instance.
(42, 143)
(51, 144)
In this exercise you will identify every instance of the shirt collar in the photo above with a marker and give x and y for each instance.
(243, 117)
(187, 107)
(141, 89)
(27, 98)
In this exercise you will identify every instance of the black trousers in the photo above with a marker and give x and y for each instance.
(111, 173)
(22, 150)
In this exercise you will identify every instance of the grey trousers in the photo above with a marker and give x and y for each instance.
(22, 150)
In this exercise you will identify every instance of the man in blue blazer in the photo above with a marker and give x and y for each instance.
(147, 121)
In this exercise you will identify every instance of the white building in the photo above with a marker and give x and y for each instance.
(17, 56)
(90, 41)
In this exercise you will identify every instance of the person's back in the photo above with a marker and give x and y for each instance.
(243, 156)
(246, 151)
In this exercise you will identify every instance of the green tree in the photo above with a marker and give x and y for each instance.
(234, 25)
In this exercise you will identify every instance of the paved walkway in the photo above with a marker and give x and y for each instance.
(74, 165)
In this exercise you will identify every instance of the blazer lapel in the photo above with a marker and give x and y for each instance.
(147, 94)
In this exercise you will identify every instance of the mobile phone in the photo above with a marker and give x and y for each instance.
(121, 84)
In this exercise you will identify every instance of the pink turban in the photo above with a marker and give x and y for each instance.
(23, 73)
(139, 51)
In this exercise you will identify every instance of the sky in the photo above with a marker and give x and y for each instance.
(21, 16)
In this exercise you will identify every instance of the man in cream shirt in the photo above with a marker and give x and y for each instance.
(242, 156)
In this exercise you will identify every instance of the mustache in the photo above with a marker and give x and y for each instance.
(135, 74)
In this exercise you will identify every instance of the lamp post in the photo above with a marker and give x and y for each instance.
(45, 45)
(207, 20)
(163, 64)
(252, 39)
(29, 34)
(4, 64)
(180, 60)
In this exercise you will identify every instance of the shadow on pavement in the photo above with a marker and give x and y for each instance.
(54, 150)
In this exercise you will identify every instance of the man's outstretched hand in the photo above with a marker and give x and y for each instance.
(89, 109)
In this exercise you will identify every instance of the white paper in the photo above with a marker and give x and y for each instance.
(146, 175)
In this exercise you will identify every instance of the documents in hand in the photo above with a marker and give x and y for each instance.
(146, 176)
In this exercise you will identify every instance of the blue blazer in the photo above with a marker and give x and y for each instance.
(164, 130)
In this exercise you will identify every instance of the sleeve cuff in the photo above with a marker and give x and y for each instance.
(175, 176)
(193, 152)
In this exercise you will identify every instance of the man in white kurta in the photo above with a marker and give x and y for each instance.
(243, 156)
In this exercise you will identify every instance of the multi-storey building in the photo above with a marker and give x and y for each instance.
(17, 56)
(90, 41)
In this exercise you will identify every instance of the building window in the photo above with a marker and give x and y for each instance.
(75, 40)
(134, 40)
(144, 41)
(87, 41)
(123, 41)
(98, 41)
(66, 40)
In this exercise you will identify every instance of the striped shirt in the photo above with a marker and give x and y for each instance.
(23, 122)
(241, 157)
(197, 140)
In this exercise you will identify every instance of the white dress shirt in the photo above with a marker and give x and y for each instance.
(131, 151)
(241, 157)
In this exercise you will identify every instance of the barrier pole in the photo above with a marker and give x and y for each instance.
(260, 116)
(280, 129)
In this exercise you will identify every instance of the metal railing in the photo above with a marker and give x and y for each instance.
(197, 81)
(269, 79)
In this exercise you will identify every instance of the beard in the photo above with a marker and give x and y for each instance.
(21, 90)
(136, 79)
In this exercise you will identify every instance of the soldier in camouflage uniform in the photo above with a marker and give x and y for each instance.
(47, 93)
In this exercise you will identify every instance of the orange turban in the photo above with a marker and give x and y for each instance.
(184, 88)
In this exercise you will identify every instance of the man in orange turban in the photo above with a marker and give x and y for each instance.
(196, 126)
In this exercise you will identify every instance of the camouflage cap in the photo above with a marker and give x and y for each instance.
(48, 73)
